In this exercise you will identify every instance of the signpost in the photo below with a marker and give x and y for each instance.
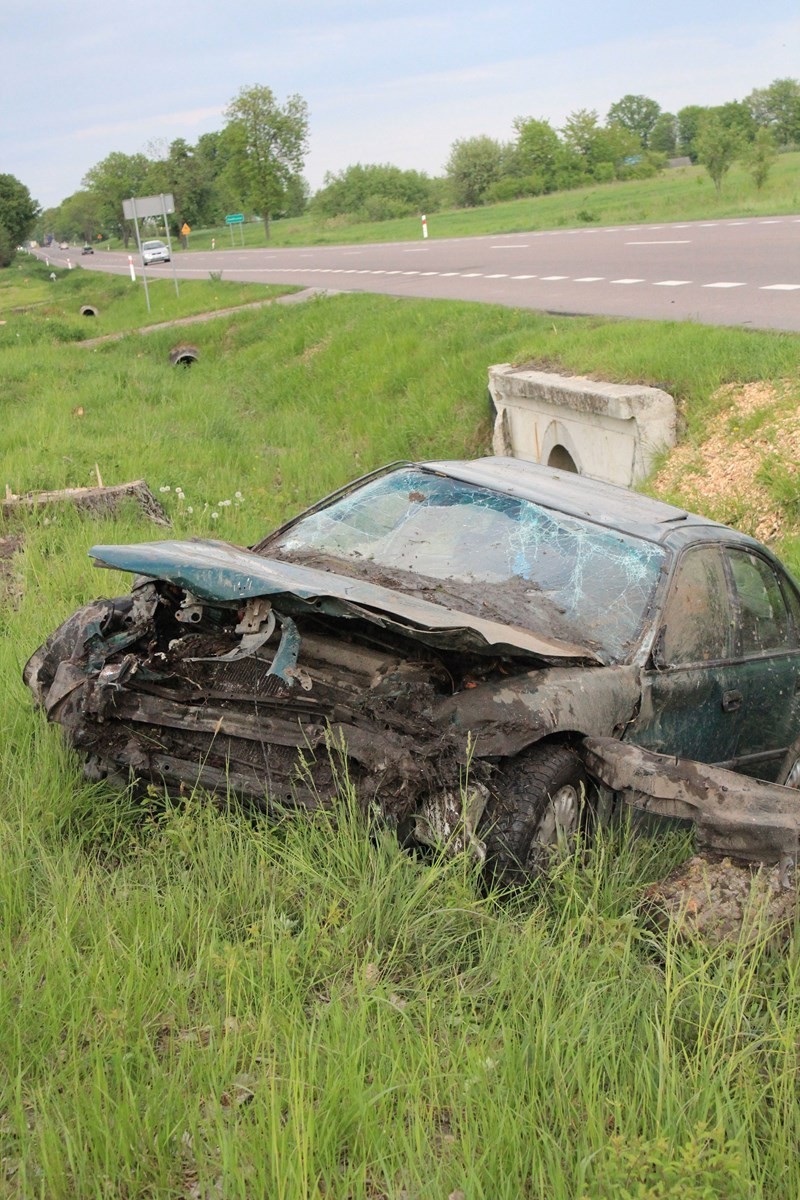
(235, 219)
(151, 206)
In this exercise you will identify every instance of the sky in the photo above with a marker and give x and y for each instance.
(385, 81)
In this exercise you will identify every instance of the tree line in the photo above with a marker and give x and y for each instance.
(254, 165)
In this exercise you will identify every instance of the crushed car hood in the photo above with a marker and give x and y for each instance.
(220, 572)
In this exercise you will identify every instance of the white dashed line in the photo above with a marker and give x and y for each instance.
(472, 274)
(709, 225)
(770, 222)
(627, 281)
(548, 278)
(590, 279)
(511, 246)
(738, 222)
(409, 272)
(429, 272)
(523, 276)
(780, 287)
(722, 285)
(497, 277)
(662, 242)
(671, 282)
(449, 274)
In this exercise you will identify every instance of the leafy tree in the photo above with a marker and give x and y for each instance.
(77, 218)
(759, 156)
(537, 150)
(689, 119)
(267, 143)
(664, 137)
(777, 108)
(18, 212)
(736, 116)
(474, 164)
(581, 132)
(717, 147)
(377, 191)
(115, 178)
(637, 114)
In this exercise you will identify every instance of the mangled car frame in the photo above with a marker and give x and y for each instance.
(455, 630)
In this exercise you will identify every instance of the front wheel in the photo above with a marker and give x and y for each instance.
(540, 801)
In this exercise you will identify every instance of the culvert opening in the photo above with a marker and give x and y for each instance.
(88, 310)
(561, 458)
(184, 356)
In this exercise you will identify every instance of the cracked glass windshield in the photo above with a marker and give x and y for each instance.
(488, 554)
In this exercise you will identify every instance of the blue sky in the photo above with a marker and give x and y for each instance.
(384, 81)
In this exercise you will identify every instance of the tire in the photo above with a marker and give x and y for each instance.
(541, 798)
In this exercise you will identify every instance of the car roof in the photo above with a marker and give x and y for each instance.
(578, 495)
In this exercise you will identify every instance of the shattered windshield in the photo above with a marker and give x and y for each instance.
(486, 553)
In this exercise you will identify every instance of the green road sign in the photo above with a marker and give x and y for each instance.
(234, 219)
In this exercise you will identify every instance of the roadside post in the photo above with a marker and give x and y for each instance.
(424, 226)
(132, 268)
(235, 219)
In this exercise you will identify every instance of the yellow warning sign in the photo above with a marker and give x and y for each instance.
(186, 229)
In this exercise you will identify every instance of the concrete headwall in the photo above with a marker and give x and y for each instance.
(608, 431)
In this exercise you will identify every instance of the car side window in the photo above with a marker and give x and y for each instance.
(763, 617)
(697, 620)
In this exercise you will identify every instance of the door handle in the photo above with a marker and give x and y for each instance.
(731, 701)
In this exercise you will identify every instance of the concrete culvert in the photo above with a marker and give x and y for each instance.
(88, 310)
(184, 356)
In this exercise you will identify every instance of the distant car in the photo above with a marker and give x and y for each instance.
(443, 636)
(63, 245)
(154, 252)
(87, 249)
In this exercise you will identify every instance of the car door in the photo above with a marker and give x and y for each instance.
(767, 645)
(691, 691)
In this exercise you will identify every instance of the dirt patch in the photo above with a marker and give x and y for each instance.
(722, 900)
(10, 544)
(721, 476)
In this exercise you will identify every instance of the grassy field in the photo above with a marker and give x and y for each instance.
(196, 1004)
(682, 194)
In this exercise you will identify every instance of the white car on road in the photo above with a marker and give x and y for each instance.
(153, 252)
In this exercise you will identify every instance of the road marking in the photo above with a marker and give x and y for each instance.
(671, 282)
(627, 281)
(780, 287)
(738, 222)
(548, 278)
(497, 277)
(448, 274)
(662, 242)
(589, 279)
(511, 246)
(709, 225)
(428, 272)
(722, 285)
(471, 274)
(415, 250)
(409, 272)
(523, 276)
(771, 221)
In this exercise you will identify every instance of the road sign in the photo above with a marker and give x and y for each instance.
(234, 219)
(148, 206)
(186, 229)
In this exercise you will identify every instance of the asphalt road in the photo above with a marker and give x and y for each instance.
(730, 272)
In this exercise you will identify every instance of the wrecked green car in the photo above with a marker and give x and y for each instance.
(444, 635)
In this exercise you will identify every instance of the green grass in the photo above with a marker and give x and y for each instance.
(194, 1002)
(36, 308)
(683, 194)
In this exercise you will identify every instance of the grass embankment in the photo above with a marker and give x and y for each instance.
(682, 194)
(36, 307)
(193, 1003)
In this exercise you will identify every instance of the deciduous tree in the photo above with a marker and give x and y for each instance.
(717, 147)
(474, 164)
(267, 143)
(18, 212)
(637, 114)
